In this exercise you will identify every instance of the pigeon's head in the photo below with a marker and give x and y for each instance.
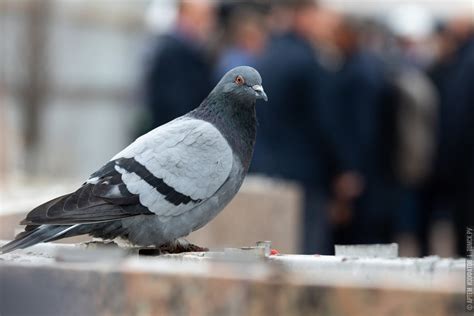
(242, 83)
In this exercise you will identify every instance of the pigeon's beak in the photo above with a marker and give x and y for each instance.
(259, 91)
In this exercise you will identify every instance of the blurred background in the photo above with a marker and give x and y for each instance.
(368, 135)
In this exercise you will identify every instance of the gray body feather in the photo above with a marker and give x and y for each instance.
(157, 230)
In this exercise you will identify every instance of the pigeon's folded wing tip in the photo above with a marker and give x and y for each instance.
(25, 222)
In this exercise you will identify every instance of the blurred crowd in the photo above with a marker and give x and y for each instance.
(373, 118)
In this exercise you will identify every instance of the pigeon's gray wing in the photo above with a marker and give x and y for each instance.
(177, 166)
(166, 172)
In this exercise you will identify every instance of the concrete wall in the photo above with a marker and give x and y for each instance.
(264, 209)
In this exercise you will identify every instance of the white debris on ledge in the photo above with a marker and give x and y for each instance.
(367, 251)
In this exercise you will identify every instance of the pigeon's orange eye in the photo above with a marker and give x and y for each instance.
(239, 80)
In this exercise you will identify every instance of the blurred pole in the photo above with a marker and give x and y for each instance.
(3, 132)
(3, 120)
(34, 90)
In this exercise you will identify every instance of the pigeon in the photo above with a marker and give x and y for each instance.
(167, 183)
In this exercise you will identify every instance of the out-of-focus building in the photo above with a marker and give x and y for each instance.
(69, 73)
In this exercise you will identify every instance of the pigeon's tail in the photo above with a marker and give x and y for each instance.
(42, 233)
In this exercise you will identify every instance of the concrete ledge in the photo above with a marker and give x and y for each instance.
(216, 283)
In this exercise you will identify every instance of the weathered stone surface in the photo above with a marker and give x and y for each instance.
(33, 282)
(211, 289)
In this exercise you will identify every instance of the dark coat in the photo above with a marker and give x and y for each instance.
(460, 102)
(178, 78)
(355, 101)
(456, 87)
(291, 140)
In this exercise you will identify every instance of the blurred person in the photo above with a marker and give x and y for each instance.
(461, 95)
(414, 112)
(382, 145)
(436, 211)
(245, 39)
(413, 120)
(451, 187)
(292, 141)
(355, 98)
(179, 62)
